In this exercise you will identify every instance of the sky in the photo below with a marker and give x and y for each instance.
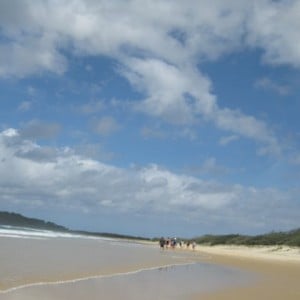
(175, 118)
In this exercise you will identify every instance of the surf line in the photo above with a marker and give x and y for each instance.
(60, 282)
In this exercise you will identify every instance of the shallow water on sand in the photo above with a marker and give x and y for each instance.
(77, 267)
(174, 282)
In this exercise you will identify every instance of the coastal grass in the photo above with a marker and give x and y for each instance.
(290, 238)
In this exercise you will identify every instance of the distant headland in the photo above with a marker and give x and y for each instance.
(15, 219)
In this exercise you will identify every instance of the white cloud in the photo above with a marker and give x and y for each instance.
(164, 86)
(59, 179)
(158, 47)
(182, 96)
(175, 32)
(18, 59)
(273, 27)
(225, 140)
(268, 84)
(247, 126)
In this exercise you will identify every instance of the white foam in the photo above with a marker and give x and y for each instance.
(93, 277)
(24, 232)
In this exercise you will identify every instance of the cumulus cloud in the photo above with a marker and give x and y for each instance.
(272, 26)
(160, 47)
(183, 96)
(172, 92)
(16, 59)
(174, 31)
(32, 175)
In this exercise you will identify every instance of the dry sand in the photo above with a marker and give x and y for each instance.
(278, 267)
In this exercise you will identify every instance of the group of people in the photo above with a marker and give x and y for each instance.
(166, 243)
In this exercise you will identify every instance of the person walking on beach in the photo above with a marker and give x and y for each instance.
(194, 245)
(173, 243)
(162, 243)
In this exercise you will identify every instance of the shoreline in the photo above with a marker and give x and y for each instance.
(99, 276)
(277, 267)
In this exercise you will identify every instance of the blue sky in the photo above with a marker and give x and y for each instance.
(151, 118)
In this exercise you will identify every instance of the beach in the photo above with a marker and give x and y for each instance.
(47, 265)
(278, 268)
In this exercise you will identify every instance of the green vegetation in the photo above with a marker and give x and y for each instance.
(290, 238)
(13, 219)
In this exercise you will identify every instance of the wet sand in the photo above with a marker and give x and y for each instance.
(67, 268)
(76, 268)
(173, 282)
(278, 267)
(28, 261)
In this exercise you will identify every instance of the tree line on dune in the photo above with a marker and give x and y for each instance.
(289, 238)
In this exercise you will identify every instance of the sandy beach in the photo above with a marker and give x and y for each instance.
(44, 265)
(278, 267)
